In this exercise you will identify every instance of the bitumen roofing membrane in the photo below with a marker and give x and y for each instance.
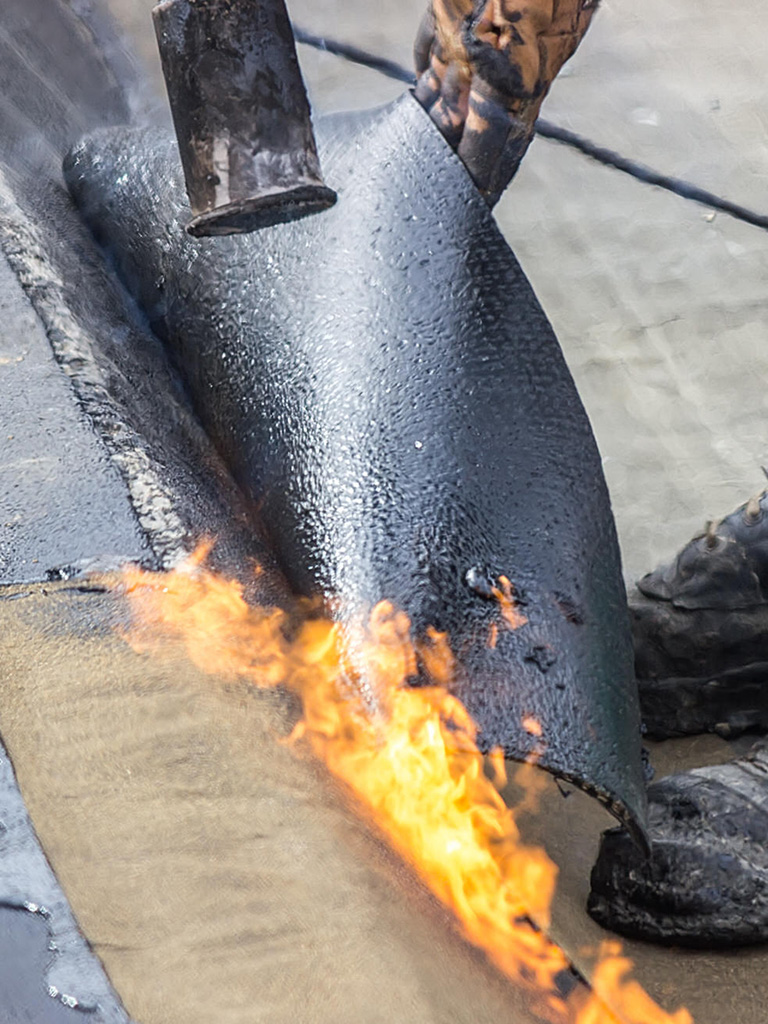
(147, 784)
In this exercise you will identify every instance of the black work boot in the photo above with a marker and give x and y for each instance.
(700, 629)
(705, 883)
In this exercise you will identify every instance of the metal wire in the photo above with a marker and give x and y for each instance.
(679, 186)
(547, 130)
(390, 68)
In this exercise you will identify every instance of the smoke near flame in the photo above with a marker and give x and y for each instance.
(409, 757)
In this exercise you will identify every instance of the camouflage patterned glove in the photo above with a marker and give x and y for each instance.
(484, 69)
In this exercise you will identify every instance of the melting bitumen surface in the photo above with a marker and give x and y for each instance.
(25, 943)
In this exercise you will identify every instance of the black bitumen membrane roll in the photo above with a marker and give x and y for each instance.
(389, 394)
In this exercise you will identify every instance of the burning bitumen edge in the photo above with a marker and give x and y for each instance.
(369, 396)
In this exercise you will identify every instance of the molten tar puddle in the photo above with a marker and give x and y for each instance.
(409, 758)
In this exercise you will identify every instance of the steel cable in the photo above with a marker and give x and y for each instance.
(547, 130)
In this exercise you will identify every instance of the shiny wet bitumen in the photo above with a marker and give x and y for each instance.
(390, 396)
(25, 941)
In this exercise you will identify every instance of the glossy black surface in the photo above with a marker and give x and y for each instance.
(388, 392)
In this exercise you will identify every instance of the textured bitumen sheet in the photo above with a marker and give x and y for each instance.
(390, 396)
(118, 372)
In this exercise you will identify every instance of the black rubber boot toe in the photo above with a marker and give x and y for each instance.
(706, 881)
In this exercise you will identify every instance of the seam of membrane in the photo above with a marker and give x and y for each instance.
(151, 501)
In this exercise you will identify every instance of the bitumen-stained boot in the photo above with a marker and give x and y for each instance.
(706, 881)
(700, 627)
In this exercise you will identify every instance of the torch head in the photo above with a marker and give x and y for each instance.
(241, 114)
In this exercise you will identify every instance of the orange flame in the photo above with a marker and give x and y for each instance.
(505, 595)
(409, 756)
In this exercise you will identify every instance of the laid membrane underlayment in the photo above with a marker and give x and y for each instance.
(213, 872)
(216, 875)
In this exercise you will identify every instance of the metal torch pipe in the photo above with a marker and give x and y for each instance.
(241, 114)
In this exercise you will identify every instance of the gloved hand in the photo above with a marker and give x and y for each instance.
(484, 68)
